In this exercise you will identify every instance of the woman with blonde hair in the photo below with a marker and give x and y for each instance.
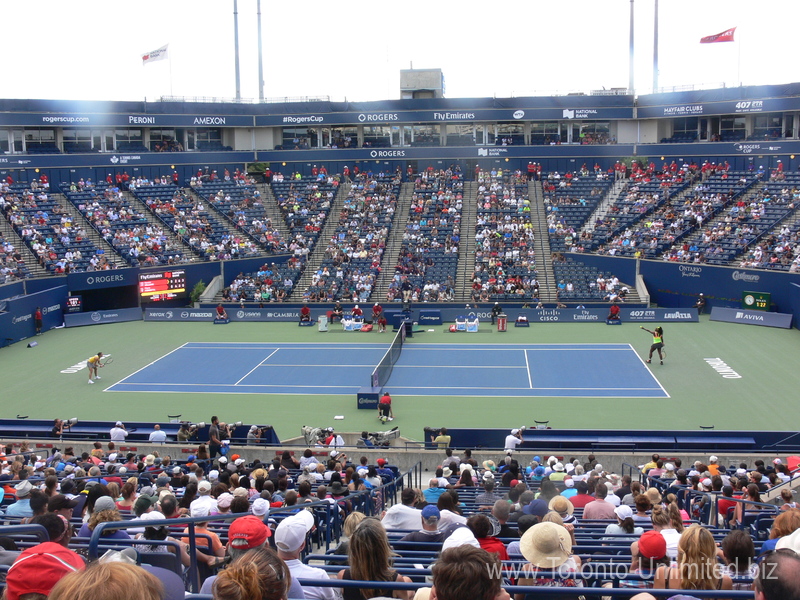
(370, 559)
(351, 522)
(109, 581)
(697, 568)
(255, 575)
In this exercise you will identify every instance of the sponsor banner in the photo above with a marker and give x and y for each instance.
(751, 317)
(430, 317)
(367, 398)
(723, 107)
(17, 322)
(448, 153)
(578, 315)
(558, 111)
(81, 120)
(235, 314)
(99, 317)
(102, 279)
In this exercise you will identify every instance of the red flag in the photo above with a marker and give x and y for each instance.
(725, 36)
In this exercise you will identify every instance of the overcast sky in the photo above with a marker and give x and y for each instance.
(91, 49)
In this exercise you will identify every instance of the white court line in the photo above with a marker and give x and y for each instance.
(409, 387)
(147, 365)
(644, 364)
(528, 367)
(258, 365)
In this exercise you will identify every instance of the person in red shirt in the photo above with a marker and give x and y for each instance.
(481, 528)
(37, 320)
(357, 312)
(582, 498)
(377, 311)
(613, 313)
(175, 177)
(305, 314)
(385, 412)
(110, 179)
(221, 313)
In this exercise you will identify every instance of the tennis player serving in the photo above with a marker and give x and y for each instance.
(658, 344)
(93, 364)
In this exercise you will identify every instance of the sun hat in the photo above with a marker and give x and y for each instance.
(561, 505)
(546, 545)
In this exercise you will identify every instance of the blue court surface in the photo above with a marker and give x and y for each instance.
(523, 370)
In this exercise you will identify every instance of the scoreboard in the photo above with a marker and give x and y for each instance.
(74, 304)
(756, 300)
(156, 286)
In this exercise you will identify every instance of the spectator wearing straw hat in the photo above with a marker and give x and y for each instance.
(548, 546)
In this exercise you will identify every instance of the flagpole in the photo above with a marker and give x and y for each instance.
(739, 60)
(170, 75)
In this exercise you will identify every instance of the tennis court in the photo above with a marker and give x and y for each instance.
(484, 370)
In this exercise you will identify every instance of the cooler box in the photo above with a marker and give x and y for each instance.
(322, 323)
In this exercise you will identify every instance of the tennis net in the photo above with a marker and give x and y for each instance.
(383, 371)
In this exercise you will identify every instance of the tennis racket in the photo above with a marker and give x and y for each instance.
(664, 351)
(107, 361)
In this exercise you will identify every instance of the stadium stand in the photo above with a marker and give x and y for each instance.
(429, 253)
(189, 219)
(305, 205)
(606, 520)
(49, 231)
(505, 259)
(570, 199)
(138, 241)
(354, 253)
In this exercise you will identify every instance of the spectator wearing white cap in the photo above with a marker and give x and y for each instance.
(118, 433)
(290, 539)
(205, 538)
(624, 525)
(714, 467)
(22, 507)
(157, 436)
(204, 498)
(513, 440)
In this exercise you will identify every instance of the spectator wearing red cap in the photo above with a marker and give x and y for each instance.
(652, 553)
(40, 568)
(244, 535)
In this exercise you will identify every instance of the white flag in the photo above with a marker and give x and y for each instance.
(150, 57)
